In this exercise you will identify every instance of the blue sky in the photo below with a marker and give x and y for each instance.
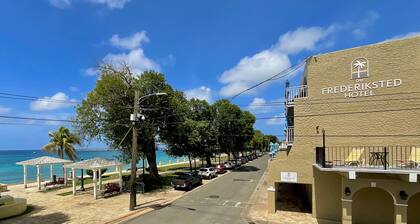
(210, 49)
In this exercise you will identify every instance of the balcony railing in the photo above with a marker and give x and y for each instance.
(369, 157)
(290, 135)
(295, 92)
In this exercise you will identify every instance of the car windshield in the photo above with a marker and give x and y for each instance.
(202, 169)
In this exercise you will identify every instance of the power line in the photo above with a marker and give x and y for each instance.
(34, 98)
(279, 75)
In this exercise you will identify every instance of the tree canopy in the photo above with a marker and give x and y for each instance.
(192, 128)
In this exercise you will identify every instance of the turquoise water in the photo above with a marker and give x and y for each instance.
(11, 173)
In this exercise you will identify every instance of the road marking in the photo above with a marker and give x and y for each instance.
(237, 204)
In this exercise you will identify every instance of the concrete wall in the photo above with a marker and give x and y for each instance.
(327, 192)
(373, 205)
(388, 118)
(413, 212)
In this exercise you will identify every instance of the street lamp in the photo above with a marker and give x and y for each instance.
(134, 117)
(82, 181)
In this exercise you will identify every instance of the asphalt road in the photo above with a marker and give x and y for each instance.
(218, 202)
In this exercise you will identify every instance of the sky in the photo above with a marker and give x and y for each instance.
(209, 49)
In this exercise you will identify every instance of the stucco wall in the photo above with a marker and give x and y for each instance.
(390, 117)
(373, 205)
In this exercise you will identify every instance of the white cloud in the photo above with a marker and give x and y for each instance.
(201, 93)
(403, 36)
(130, 42)
(135, 59)
(262, 65)
(276, 121)
(91, 71)
(62, 4)
(111, 4)
(360, 28)
(57, 101)
(258, 106)
(4, 110)
(261, 105)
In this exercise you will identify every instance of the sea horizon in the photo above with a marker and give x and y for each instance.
(11, 173)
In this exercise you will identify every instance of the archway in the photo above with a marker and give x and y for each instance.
(372, 205)
(413, 214)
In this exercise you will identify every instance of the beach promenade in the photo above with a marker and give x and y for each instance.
(60, 206)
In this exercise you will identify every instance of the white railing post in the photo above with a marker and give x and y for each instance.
(296, 92)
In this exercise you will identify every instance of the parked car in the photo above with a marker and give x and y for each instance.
(229, 165)
(244, 160)
(220, 168)
(186, 181)
(208, 172)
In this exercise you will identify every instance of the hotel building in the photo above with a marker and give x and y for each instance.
(353, 136)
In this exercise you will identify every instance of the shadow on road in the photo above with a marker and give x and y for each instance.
(246, 169)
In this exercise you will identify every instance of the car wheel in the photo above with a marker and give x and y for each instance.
(189, 187)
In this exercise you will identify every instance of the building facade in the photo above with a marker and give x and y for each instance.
(353, 133)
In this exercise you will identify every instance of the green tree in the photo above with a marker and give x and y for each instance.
(234, 127)
(105, 113)
(258, 140)
(196, 136)
(62, 143)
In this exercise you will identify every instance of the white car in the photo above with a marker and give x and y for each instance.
(229, 165)
(207, 172)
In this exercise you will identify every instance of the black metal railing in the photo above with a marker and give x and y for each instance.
(372, 157)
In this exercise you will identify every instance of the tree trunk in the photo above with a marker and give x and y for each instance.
(151, 160)
(189, 159)
(208, 160)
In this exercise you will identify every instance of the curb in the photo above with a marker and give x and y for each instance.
(144, 211)
(253, 199)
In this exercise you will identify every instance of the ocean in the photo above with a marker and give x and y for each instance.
(10, 173)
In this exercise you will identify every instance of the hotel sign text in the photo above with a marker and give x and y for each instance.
(361, 88)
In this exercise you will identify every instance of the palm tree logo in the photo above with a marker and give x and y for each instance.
(359, 68)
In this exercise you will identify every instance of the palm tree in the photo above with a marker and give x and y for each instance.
(61, 142)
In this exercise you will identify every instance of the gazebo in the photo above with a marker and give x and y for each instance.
(38, 162)
(96, 165)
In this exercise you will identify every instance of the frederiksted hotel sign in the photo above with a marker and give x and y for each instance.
(359, 71)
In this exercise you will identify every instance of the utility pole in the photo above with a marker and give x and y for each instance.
(134, 119)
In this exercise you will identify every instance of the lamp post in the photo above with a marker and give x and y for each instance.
(134, 118)
(82, 181)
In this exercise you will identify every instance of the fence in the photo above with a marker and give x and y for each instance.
(372, 157)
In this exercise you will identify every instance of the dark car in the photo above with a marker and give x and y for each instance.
(220, 168)
(186, 181)
(244, 160)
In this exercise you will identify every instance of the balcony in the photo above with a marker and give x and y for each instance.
(295, 92)
(385, 159)
(290, 135)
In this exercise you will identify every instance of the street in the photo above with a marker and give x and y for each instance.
(218, 202)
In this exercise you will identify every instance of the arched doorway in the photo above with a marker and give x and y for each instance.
(413, 213)
(372, 205)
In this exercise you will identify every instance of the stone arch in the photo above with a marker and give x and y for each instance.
(373, 205)
(413, 214)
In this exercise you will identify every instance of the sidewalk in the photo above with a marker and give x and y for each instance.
(256, 210)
